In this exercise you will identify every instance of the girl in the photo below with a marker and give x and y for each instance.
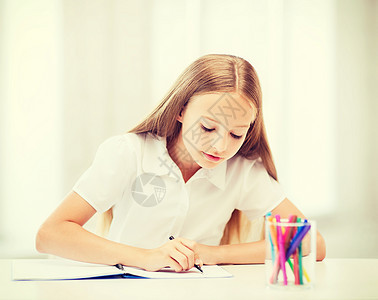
(198, 167)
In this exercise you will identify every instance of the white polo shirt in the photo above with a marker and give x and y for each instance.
(135, 174)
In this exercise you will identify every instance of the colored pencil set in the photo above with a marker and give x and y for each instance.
(285, 239)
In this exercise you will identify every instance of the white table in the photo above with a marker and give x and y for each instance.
(335, 279)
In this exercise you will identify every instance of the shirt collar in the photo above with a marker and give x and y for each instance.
(156, 160)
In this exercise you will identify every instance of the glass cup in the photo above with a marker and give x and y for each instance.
(290, 252)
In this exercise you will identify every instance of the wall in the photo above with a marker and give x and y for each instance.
(73, 73)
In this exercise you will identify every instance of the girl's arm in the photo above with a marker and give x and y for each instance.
(253, 252)
(62, 234)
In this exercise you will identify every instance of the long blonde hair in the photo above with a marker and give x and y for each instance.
(208, 74)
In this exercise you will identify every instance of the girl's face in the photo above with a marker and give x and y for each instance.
(214, 127)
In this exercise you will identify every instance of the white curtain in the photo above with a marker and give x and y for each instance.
(74, 73)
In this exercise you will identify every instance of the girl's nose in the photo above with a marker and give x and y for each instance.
(220, 144)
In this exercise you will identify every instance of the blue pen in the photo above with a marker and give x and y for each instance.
(296, 240)
(270, 237)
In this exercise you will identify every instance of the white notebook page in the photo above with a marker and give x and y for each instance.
(55, 269)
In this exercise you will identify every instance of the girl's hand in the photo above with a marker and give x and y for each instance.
(306, 245)
(180, 254)
(210, 255)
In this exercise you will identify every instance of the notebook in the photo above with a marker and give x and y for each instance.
(62, 269)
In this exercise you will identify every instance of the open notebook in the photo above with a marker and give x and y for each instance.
(61, 269)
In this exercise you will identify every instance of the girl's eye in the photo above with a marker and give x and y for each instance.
(207, 129)
(212, 129)
(236, 136)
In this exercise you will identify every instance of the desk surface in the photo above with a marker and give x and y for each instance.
(335, 279)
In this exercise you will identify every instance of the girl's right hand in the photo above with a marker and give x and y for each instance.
(178, 254)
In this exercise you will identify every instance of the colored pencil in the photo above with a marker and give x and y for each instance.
(281, 249)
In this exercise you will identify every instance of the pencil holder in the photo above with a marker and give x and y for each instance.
(290, 252)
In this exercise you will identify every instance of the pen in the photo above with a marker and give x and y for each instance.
(300, 267)
(297, 239)
(281, 249)
(119, 266)
(196, 266)
(288, 233)
(276, 262)
(268, 218)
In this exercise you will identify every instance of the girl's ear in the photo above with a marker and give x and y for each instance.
(179, 117)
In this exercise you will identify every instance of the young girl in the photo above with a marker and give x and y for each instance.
(197, 168)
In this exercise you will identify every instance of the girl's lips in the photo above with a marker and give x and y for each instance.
(211, 157)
